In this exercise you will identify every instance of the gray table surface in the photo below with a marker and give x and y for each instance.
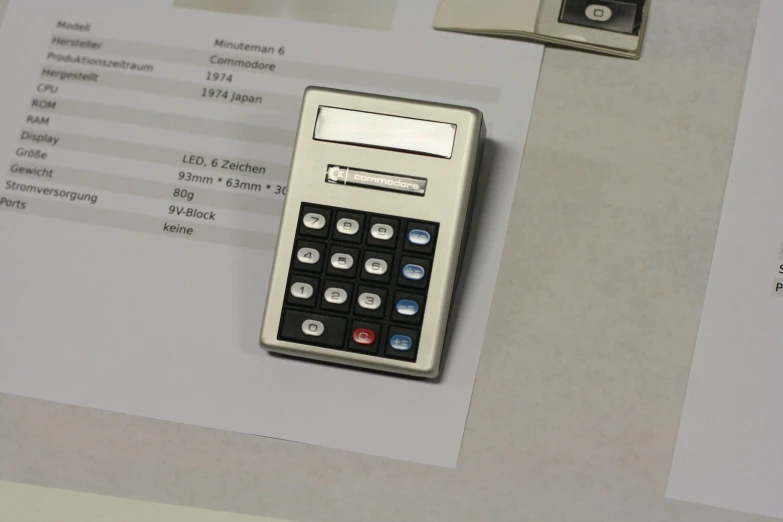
(586, 359)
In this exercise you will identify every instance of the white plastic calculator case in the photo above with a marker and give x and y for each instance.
(373, 231)
(614, 27)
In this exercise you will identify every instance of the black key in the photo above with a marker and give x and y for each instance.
(370, 301)
(609, 15)
(414, 272)
(308, 256)
(402, 343)
(420, 237)
(337, 296)
(383, 232)
(302, 290)
(313, 329)
(343, 261)
(408, 308)
(314, 221)
(365, 338)
(348, 226)
(377, 267)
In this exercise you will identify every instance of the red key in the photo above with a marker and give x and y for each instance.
(363, 336)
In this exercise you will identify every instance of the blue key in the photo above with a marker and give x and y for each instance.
(402, 343)
(419, 237)
(407, 307)
(413, 272)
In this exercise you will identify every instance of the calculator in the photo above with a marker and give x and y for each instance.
(373, 232)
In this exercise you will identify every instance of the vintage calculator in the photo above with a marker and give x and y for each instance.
(373, 231)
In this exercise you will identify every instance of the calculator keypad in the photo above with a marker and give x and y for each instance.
(358, 282)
